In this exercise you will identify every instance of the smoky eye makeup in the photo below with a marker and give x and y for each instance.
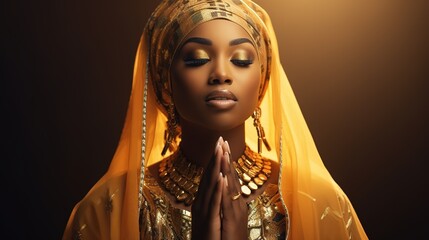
(196, 57)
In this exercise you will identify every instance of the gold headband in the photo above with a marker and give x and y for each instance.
(174, 19)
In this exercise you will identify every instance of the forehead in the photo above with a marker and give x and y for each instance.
(218, 30)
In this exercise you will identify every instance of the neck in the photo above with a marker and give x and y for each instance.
(198, 143)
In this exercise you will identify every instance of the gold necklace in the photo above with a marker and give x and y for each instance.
(253, 171)
(181, 178)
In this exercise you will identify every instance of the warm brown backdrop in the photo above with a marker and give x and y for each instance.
(359, 70)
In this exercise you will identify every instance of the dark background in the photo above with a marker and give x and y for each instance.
(358, 68)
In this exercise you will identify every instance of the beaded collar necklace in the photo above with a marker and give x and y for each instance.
(181, 178)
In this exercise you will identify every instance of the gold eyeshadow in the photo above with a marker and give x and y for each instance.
(198, 54)
(241, 55)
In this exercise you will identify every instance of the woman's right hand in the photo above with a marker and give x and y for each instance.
(206, 219)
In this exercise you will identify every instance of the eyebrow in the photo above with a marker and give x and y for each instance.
(240, 41)
(203, 41)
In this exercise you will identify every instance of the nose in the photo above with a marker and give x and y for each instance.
(220, 73)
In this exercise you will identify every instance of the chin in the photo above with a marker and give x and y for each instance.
(222, 124)
(218, 122)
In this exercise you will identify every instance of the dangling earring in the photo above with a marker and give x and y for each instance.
(260, 130)
(171, 132)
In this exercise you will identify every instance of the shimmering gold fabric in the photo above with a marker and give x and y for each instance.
(160, 220)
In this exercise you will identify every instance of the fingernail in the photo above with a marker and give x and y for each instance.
(217, 147)
(226, 180)
(229, 149)
(226, 154)
(219, 140)
(221, 175)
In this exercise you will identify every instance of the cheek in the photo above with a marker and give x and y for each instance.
(252, 81)
(187, 91)
(188, 84)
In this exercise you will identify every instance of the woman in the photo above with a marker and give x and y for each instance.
(210, 91)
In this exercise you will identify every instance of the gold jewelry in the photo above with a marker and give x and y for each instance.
(236, 196)
(172, 131)
(260, 130)
(181, 178)
(253, 171)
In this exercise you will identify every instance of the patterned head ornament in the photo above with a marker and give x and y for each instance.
(174, 19)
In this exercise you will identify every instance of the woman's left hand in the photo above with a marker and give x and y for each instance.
(234, 207)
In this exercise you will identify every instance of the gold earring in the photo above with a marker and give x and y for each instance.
(260, 130)
(172, 131)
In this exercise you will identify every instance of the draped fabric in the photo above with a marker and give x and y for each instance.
(317, 207)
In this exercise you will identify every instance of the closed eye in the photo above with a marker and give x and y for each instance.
(196, 62)
(242, 63)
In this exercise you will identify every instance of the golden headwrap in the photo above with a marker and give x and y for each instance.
(171, 22)
(317, 206)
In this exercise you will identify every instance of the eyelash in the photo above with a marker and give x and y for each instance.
(200, 62)
(196, 62)
(242, 63)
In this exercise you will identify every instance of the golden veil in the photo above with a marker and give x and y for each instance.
(317, 207)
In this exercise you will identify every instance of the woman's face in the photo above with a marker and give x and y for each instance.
(216, 76)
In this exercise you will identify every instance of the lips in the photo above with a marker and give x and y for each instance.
(221, 100)
(221, 95)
